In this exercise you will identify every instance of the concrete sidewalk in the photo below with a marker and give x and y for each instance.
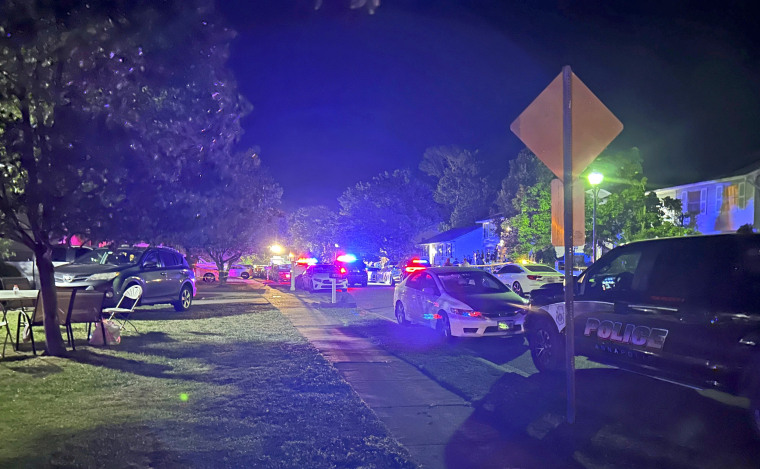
(520, 421)
(421, 415)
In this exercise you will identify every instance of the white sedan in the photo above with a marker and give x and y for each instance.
(524, 278)
(321, 277)
(459, 302)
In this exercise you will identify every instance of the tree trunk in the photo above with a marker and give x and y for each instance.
(53, 339)
(219, 268)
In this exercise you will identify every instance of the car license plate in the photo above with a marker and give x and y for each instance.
(505, 325)
(334, 275)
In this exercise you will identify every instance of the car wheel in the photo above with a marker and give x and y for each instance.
(517, 288)
(401, 315)
(244, 275)
(444, 326)
(209, 277)
(311, 286)
(185, 299)
(547, 346)
(393, 281)
(364, 283)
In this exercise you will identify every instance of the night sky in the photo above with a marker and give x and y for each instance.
(339, 95)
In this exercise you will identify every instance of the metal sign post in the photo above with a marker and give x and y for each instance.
(333, 281)
(293, 276)
(567, 158)
(566, 127)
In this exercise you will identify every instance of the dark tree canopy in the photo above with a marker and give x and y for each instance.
(386, 215)
(315, 229)
(112, 118)
(461, 186)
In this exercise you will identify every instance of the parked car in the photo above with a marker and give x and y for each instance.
(524, 278)
(356, 271)
(321, 276)
(413, 265)
(685, 310)
(373, 274)
(547, 294)
(280, 273)
(459, 302)
(22, 258)
(390, 274)
(260, 271)
(163, 274)
(209, 272)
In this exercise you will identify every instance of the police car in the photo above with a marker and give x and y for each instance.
(686, 310)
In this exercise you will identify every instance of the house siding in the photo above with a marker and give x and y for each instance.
(482, 239)
(723, 205)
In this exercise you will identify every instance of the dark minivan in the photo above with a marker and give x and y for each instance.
(685, 310)
(163, 274)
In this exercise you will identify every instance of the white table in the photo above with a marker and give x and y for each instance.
(10, 295)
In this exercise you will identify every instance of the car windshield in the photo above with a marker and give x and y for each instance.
(324, 269)
(471, 282)
(539, 268)
(110, 257)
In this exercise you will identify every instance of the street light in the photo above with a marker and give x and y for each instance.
(594, 179)
(275, 248)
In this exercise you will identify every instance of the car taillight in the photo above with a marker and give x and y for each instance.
(414, 269)
(342, 270)
(287, 275)
(534, 277)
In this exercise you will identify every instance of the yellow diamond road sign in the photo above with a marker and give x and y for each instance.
(540, 126)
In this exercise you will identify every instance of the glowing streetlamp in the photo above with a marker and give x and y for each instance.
(275, 248)
(594, 179)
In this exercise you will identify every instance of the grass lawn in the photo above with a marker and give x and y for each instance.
(223, 385)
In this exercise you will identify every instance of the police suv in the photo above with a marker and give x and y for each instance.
(686, 310)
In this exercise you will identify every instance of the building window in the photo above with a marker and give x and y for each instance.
(735, 195)
(718, 198)
(696, 201)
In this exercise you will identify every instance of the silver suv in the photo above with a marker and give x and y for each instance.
(163, 274)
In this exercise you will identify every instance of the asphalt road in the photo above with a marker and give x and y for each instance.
(623, 419)
(507, 355)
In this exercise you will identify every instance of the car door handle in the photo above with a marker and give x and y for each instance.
(164, 274)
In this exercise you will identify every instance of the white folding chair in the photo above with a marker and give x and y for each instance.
(120, 313)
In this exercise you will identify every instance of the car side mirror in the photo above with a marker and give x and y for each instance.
(150, 265)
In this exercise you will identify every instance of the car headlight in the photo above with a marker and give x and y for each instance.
(468, 313)
(103, 276)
